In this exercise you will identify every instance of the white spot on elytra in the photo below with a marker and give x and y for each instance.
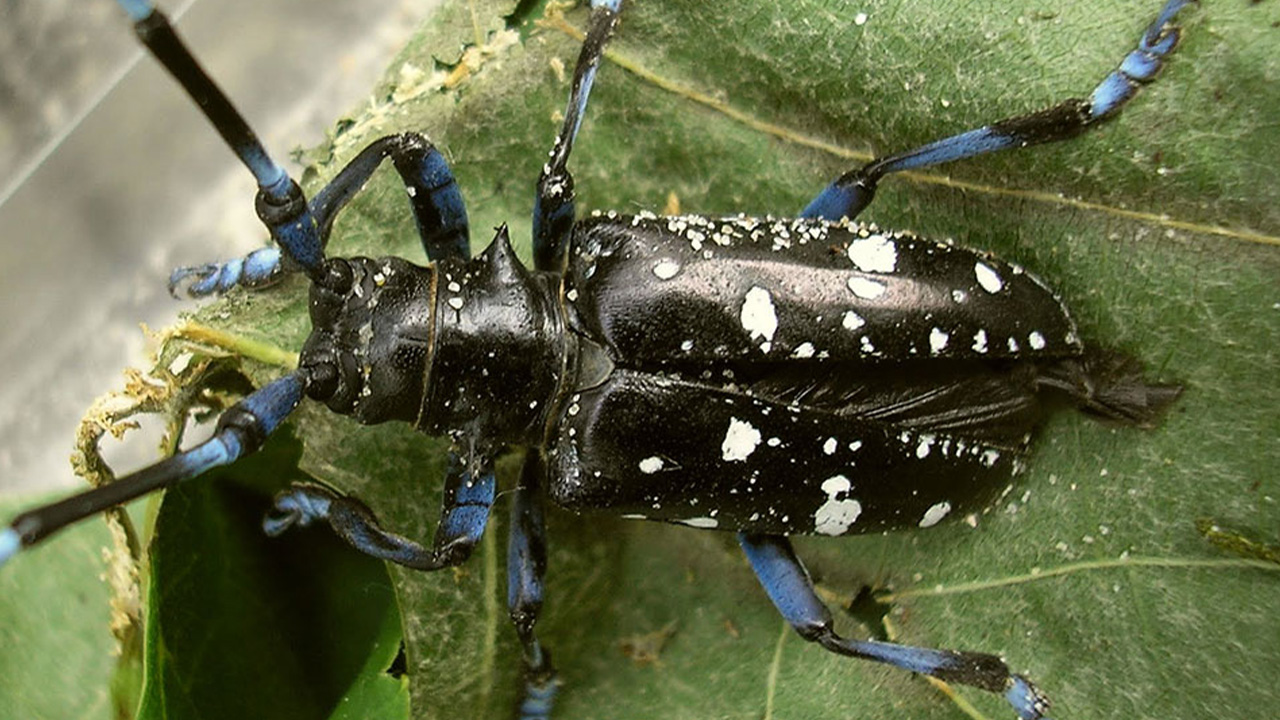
(740, 440)
(804, 350)
(852, 320)
(835, 516)
(866, 289)
(938, 340)
(1013, 345)
(987, 278)
(700, 522)
(922, 449)
(980, 341)
(758, 316)
(989, 457)
(935, 513)
(651, 465)
(1036, 340)
(874, 253)
(666, 269)
(829, 447)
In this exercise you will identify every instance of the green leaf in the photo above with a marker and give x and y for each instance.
(1165, 247)
(242, 625)
(55, 616)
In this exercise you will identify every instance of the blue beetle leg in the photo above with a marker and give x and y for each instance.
(526, 565)
(853, 191)
(787, 583)
(258, 269)
(553, 210)
(241, 430)
(436, 201)
(468, 498)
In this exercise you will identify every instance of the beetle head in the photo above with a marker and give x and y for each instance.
(369, 339)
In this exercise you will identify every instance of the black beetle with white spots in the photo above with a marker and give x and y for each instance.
(765, 376)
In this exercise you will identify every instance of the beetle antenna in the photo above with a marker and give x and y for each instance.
(241, 430)
(280, 205)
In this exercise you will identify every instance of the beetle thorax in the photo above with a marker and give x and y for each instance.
(458, 347)
(498, 349)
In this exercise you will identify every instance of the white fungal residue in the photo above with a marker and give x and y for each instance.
(1036, 340)
(700, 522)
(959, 295)
(835, 516)
(740, 440)
(866, 289)
(666, 269)
(987, 278)
(980, 341)
(935, 513)
(651, 465)
(938, 340)
(875, 253)
(852, 320)
(758, 315)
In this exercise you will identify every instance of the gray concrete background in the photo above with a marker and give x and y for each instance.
(95, 211)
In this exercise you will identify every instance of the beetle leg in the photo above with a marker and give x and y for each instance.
(853, 191)
(553, 209)
(788, 585)
(526, 565)
(468, 499)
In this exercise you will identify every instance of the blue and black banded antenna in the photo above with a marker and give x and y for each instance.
(280, 202)
(300, 230)
(284, 210)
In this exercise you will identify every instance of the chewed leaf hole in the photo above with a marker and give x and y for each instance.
(399, 666)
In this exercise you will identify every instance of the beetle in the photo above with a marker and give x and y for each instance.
(785, 376)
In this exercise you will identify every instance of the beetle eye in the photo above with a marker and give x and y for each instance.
(322, 380)
(337, 277)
